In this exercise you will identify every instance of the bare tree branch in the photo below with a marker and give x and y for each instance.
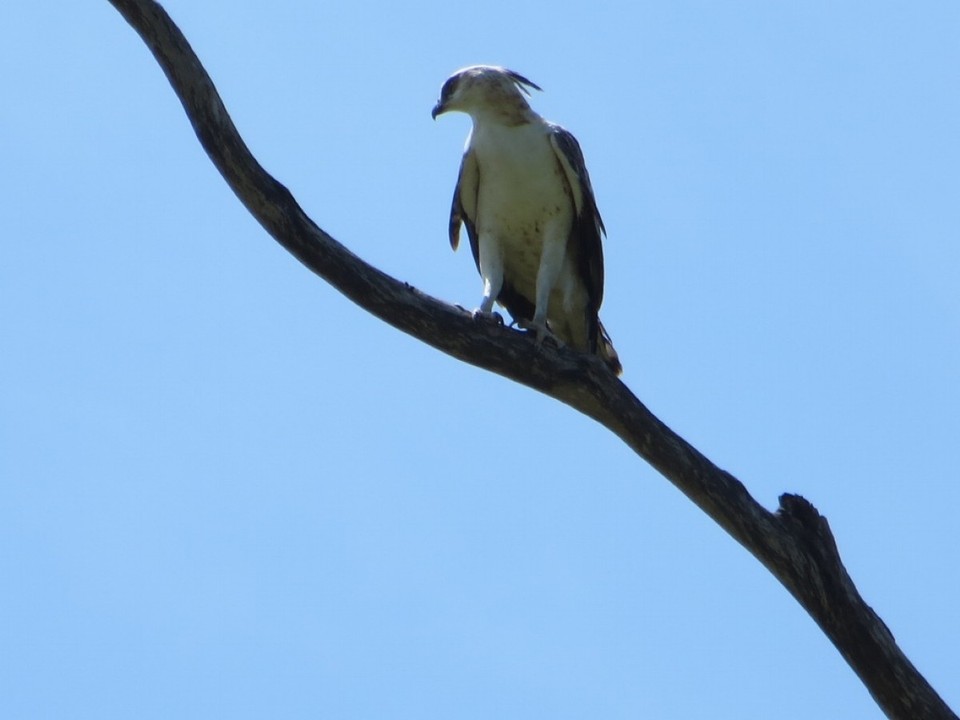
(795, 543)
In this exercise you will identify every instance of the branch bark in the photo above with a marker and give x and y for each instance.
(795, 543)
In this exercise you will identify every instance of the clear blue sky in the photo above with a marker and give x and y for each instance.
(227, 492)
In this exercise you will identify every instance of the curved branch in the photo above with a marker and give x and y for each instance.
(795, 543)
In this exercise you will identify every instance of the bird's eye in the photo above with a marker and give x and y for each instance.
(449, 87)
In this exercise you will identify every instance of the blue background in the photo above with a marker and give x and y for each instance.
(225, 491)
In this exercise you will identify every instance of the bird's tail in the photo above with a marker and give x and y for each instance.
(606, 352)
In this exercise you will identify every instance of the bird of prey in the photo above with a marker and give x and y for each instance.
(525, 196)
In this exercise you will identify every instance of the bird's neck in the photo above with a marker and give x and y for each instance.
(505, 117)
(509, 110)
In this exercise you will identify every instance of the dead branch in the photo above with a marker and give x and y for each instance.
(794, 543)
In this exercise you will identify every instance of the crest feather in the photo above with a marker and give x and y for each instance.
(521, 82)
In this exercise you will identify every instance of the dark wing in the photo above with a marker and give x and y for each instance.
(463, 210)
(588, 226)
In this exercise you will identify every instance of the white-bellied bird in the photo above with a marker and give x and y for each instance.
(525, 196)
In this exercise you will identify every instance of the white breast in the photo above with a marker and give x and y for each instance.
(522, 193)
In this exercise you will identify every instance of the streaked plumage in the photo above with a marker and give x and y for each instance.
(524, 194)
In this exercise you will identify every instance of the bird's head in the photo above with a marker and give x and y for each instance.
(481, 89)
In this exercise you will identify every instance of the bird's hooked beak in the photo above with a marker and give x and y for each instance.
(438, 109)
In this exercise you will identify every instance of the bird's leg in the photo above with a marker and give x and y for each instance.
(491, 270)
(551, 262)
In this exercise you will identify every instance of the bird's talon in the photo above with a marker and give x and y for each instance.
(541, 331)
(492, 316)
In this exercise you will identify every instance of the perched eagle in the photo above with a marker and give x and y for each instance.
(525, 196)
